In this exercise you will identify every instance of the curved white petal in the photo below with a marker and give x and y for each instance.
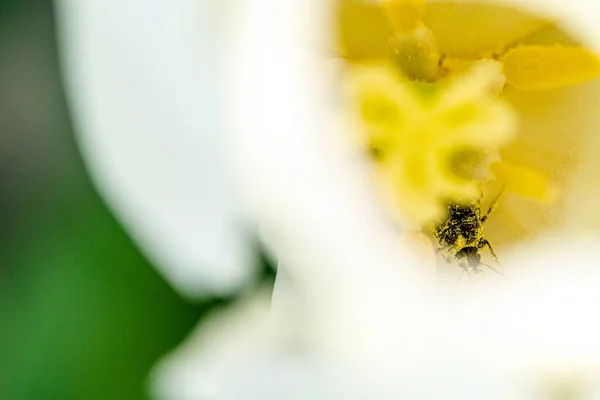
(241, 353)
(144, 86)
(309, 192)
(499, 341)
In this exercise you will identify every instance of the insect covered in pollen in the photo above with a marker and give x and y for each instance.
(460, 236)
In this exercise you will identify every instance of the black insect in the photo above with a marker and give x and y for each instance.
(460, 236)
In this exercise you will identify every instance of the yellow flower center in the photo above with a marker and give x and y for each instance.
(430, 81)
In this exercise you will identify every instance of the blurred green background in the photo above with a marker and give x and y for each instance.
(82, 314)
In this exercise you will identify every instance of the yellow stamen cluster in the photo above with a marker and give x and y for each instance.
(424, 137)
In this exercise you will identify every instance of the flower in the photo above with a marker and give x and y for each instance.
(349, 297)
(341, 306)
(346, 299)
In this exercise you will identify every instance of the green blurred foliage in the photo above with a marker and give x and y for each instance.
(82, 314)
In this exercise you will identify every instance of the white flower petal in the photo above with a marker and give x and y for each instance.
(242, 353)
(501, 340)
(143, 84)
(309, 192)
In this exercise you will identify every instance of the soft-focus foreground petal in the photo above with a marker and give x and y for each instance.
(520, 339)
(307, 187)
(143, 85)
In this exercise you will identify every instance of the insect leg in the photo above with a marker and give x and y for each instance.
(496, 271)
(483, 243)
(470, 275)
(493, 205)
